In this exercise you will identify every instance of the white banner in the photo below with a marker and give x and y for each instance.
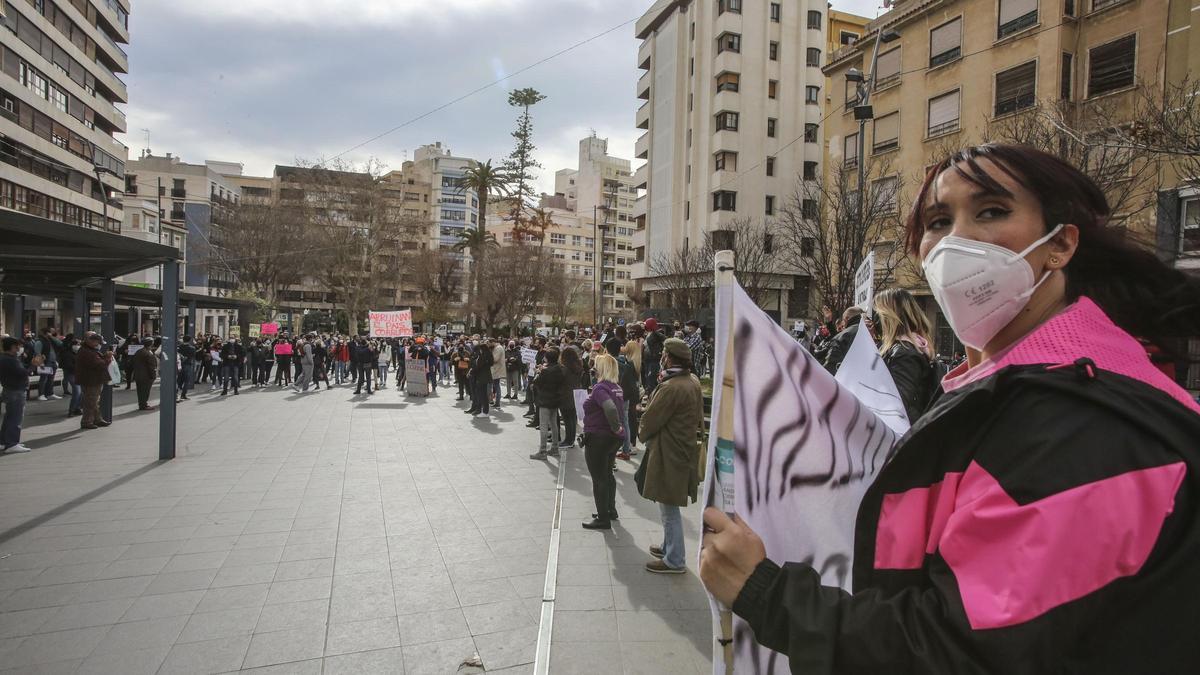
(864, 283)
(529, 358)
(391, 324)
(865, 375)
(804, 450)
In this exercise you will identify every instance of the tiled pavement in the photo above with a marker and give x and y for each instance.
(321, 533)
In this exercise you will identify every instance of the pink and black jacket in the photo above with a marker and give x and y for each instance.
(1040, 518)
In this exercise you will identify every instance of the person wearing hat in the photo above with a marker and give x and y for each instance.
(668, 427)
(91, 372)
(144, 370)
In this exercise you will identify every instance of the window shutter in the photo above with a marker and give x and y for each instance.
(1015, 88)
(1015, 9)
(888, 65)
(887, 129)
(1111, 66)
(943, 110)
(850, 147)
(945, 38)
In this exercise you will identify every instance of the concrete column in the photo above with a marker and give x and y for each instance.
(170, 341)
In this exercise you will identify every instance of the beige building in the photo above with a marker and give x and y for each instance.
(602, 188)
(732, 113)
(61, 65)
(844, 29)
(193, 200)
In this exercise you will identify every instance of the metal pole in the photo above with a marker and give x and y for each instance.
(596, 248)
(108, 302)
(170, 339)
(864, 99)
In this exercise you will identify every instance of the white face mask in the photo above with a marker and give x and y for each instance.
(981, 287)
(74, 348)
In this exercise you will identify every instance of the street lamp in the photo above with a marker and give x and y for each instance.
(597, 262)
(863, 111)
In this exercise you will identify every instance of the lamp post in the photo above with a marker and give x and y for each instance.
(597, 262)
(863, 111)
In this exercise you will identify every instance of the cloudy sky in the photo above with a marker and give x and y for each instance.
(266, 82)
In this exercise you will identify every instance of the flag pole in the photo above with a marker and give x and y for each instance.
(723, 419)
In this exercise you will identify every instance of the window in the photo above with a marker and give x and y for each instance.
(447, 214)
(1067, 70)
(773, 51)
(1101, 4)
(1016, 16)
(814, 20)
(558, 239)
(689, 102)
(734, 6)
(810, 132)
(1016, 88)
(943, 113)
(724, 200)
(725, 161)
(687, 210)
(727, 121)
(887, 68)
(812, 95)
(887, 133)
(1110, 66)
(850, 150)
(770, 166)
(727, 82)
(776, 10)
(772, 89)
(691, 66)
(59, 98)
(851, 94)
(808, 209)
(847, 38)
(885, 194)
(729, 42)
(771, 127)
(945, 43)
(770, 207)
(576, 240)
(810, 171)
(1189, 231)
(722, 240)
(1069, 8)
(813, 57)
(808, 245)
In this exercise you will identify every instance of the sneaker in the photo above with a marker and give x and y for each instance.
(16, 449)
(633, 452)
(54, 397)
(657, 552)
(552, 453)
(40, 398)
(103, 423)
(540, 454)
(477, 415)
(660, 567)
(623, 455)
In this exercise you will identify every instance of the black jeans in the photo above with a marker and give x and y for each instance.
(600, 452)
(364, 376)
(570, 422)
(482, 387)
(143, 392)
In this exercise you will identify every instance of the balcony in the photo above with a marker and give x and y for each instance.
(178, 215)
(640, 176)
(644, 51)
(116, 16)
(643, 86)
(641, 149)
(639, 207)
(727, 140)
(179, 193)
(727, 62)
(639, 238)
(642, 120)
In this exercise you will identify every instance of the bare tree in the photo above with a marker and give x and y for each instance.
(824, 237)
(267, 246)
(683, 280)
(567, 295)
(757, 261)
(439, 281)
(515, 283)
(359, 233)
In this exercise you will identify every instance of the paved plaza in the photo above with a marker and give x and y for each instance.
(325, 533)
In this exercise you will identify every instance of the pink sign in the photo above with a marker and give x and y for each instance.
(270, 328)
(391, 324)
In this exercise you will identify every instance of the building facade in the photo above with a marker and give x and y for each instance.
(602, 188)
(194, 200)
(452, 207)
(733, 110)
(60, 87)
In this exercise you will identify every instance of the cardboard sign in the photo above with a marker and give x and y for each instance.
(529, 358)
(864, 283)
(255, 330)
(414, 377)
(391, 324)
(235, 332)
(271, 328)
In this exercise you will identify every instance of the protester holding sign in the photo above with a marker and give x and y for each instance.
(1040, 518)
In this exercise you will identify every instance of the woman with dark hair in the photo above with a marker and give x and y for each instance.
(906, 344)
(1041, 516)
(575, 373)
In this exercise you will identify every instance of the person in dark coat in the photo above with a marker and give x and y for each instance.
(233, 356)
(549, 389)
(144, 370)
(187, 366)
(481, 377)
(91, 371)
(840, 343)
(907, 348)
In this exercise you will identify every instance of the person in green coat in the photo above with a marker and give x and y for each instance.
(669, 428)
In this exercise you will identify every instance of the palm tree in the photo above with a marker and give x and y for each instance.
(485, 180)
(475, 242)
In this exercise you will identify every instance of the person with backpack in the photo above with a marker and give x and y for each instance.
(907, 349)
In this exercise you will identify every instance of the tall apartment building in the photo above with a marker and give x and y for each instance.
(961, 70)
(602, 187)
(193, 201)
(59, 91)
(453, 208)
(732, 113)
